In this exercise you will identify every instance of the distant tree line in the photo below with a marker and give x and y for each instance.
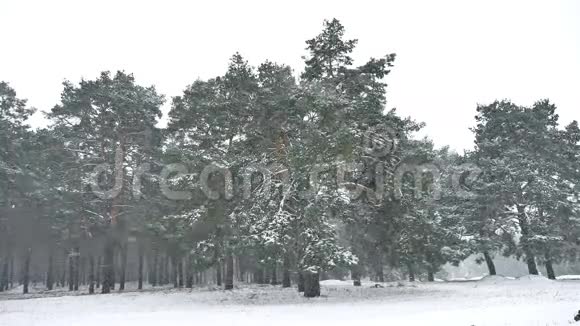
(258, 138)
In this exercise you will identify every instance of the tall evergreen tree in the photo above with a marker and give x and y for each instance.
(105, 121)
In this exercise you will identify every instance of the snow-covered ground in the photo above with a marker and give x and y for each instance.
(490, 301)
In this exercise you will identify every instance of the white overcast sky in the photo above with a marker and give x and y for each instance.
(451, 55)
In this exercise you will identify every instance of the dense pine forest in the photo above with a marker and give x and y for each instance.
(265, 175)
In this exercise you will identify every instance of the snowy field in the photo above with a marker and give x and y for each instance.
(490, 301)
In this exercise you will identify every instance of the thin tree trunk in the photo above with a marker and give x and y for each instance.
(411, 271)
(50, 272)
(140, 271)
(149, 267)
(430, 275)
(4, 275)
(11, 273)
(218, 274)
(489, 263)
(266, 275)
(91, 274)
(229, 277)
(380, 274)
(108, 267)
(26, 271)
(83, 270)
(159, 271)
(76, 260)
(174, 275)
(154, 269)
(286, 283)
(166, 276)
(355, 275)
(180, 271)
(71, 271)
(188, 273)
(274, 278)
(311, 284)
(123, 271)
(63, 272)
(98, 271)
(240, 274)
(430, 265)
(550, 270)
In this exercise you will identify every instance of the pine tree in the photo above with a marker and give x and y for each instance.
(519, 151)
(105, 121)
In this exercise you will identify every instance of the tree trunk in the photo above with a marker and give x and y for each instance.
(50, 272)
(189, 279)
(108, 266)
(11, 273)
(532, 267)
(311, 285)
(355, 275)
(4, 275)
(550, 270)
(153, 278)
(140, 269)
(26, 271)
(160, 276)
(218, 275)
(77, 262)
(91, 274)
(266, 275)
(380, 274)
(71, 271)
(63, 272)
(530, 258)
(430, 275)
(83, 269)
(489, 263)
(166, 276)
(123, 271)
(430, 265)
(98, 271)
(300, 282)
(274, 278)
(174, 264)
(180, 271)
(229, 278)
(411, 272)
(114, 271)
(286, 283)
(188, 273)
